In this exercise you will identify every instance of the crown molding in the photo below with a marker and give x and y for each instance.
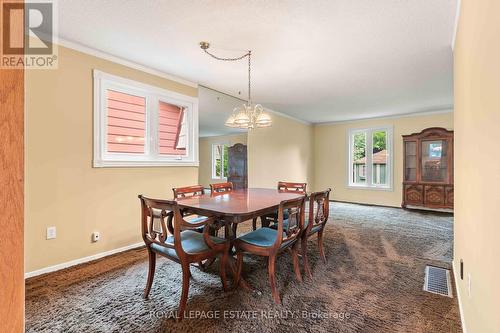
(121, 61)
(448, 109)
(455, 29)
(284, 115)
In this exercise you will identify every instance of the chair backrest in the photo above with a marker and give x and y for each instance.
(221, 187)
(319, 209)
(292, 187)
(188, 191)
(162, 218)
(295, 225)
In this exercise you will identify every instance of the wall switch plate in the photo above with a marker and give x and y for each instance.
(96, 236)
(51, 232)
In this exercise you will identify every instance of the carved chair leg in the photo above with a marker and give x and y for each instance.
(271, 267)
(295, 257)
(235, 226)
(254, 223)
(305, 259)
(320, 245)
(151, 273)
(239, 268)
(185, 290)
(223, 264)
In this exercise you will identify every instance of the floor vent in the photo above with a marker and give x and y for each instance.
(437, 281)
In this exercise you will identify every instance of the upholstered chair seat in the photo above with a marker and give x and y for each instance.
(192, 242)
(263, 237)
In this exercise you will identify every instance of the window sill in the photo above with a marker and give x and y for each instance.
(125, 164)
(370, 188)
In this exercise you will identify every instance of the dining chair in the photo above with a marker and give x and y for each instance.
(286, 187)
(166, 233)
(190, 191)
(319, 210)
(270, 242)
(221, 187)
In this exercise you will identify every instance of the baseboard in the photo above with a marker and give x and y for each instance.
(365, 204)
(457, 290)
(80, 261)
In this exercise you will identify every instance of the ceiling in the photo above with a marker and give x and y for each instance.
(318, 61)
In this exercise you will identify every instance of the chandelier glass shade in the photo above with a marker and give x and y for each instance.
(248, 115)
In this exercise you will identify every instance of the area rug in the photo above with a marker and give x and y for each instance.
(372, 282)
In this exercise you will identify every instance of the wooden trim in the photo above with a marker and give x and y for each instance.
(12, 200)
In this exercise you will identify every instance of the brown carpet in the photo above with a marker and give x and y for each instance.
(372, 283)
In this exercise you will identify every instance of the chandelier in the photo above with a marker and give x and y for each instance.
(248, 115)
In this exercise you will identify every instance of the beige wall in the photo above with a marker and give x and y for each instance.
(283, 152)
(331, 156)
(477, 163)
(205, 169)
(62, 188)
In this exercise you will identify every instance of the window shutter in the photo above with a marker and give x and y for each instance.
(171, 119)
(126, 123)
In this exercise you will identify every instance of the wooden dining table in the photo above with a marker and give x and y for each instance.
(235, 207)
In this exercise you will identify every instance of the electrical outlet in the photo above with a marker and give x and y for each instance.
(51, 232)
(96, 236)
(469, 285)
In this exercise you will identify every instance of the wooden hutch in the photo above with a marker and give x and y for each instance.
(428, 169)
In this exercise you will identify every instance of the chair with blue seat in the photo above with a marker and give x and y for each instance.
(283, 187)
(319, 210)
(166, 233)
(187, 192)
(269, 242)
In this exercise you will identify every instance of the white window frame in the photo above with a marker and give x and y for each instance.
(152, 94)
(369, 155)
(214, 176)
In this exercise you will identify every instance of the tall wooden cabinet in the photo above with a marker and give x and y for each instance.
(238, 166)
(428, 169)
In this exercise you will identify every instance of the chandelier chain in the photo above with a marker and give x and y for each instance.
(248, 54)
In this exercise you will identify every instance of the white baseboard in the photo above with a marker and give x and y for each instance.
(81, 260)
(457, 289)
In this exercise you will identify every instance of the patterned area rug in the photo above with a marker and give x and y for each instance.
(372, 282)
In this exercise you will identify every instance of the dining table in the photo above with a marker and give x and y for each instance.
(235, 207)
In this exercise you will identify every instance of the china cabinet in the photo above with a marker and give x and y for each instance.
(428, 169)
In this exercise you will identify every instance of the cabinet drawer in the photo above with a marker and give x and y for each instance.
(434, 195)
(414, 194)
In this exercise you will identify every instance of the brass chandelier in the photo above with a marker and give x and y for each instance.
(248, 115)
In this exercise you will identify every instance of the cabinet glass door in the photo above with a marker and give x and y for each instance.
(434, 161)
(410, 161)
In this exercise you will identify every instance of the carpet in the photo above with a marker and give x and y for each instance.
(372, 282)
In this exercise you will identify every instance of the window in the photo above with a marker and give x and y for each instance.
(370, 161)
(219, 161)
(140, 125)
